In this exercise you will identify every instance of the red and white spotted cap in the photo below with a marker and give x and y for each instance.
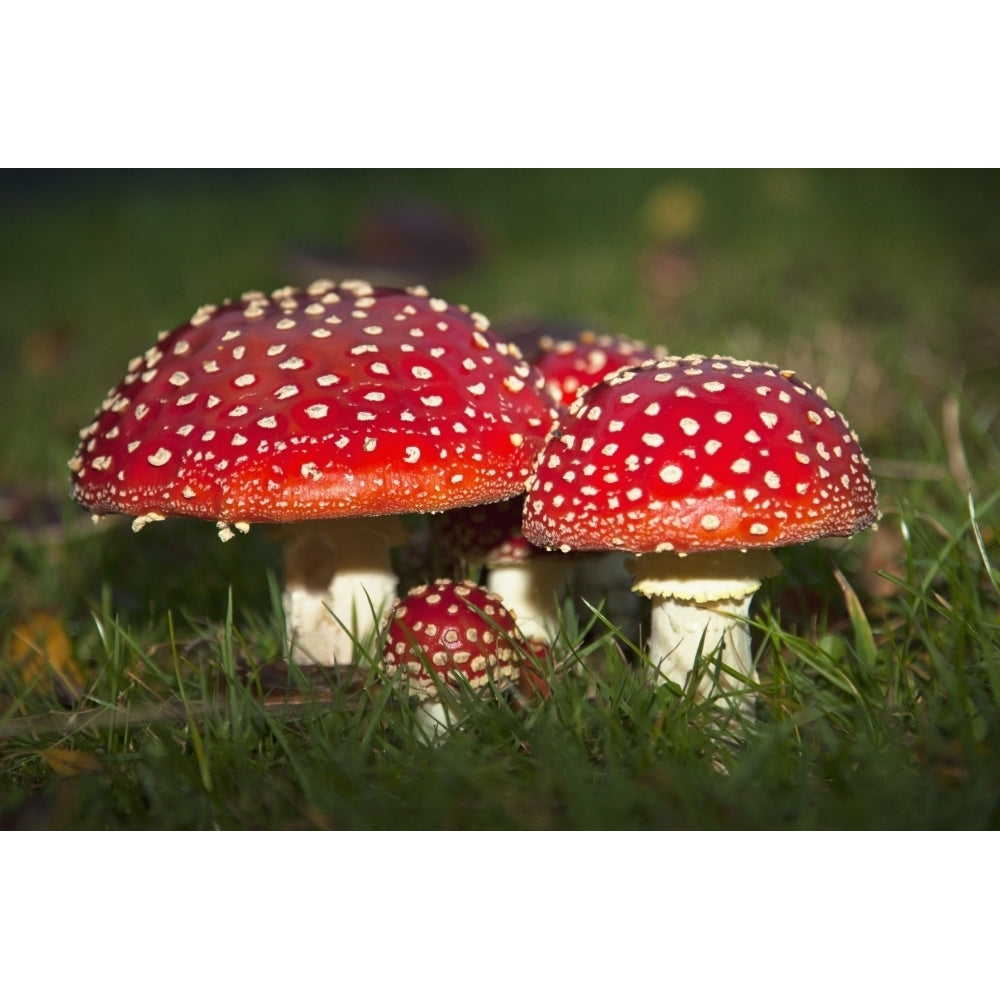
(573, 364)
(458, 631)
(339, 400)
(699, 454)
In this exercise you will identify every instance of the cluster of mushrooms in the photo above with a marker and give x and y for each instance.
(338, 409)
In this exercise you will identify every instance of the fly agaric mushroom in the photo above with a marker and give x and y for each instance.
(452, 634)
(570, 365)
(341, 406)
(529, 580)
(576, 363)
(701, 466)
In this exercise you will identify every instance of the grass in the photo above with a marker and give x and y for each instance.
(140, 674)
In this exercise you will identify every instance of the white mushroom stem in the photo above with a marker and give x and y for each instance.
(338, 581)
(434, 720)
(698, 601)
(533, 589)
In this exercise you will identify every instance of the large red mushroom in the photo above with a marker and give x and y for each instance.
(701, 466)
(336, 409)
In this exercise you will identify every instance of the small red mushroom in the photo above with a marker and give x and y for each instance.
(701, 466)
(572, 364)
(530, 580)
(453, 634)
(337, 408)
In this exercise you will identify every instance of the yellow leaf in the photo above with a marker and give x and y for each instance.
(70, 762)
(41, 649)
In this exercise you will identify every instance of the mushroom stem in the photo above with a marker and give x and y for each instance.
(338, 581)
(532, 590)
(699, 600)
(434, 721)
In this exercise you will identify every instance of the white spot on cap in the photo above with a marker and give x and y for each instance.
(317, 411)
(161, 457)
(689, 426)
(710, 522)
(671, 473)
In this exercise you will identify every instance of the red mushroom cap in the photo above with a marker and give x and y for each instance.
(575, 364)
(488, 534)
(456, 630)
(699, 454)
(340, 400)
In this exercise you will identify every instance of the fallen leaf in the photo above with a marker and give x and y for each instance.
(42, 652)
(70, 763)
